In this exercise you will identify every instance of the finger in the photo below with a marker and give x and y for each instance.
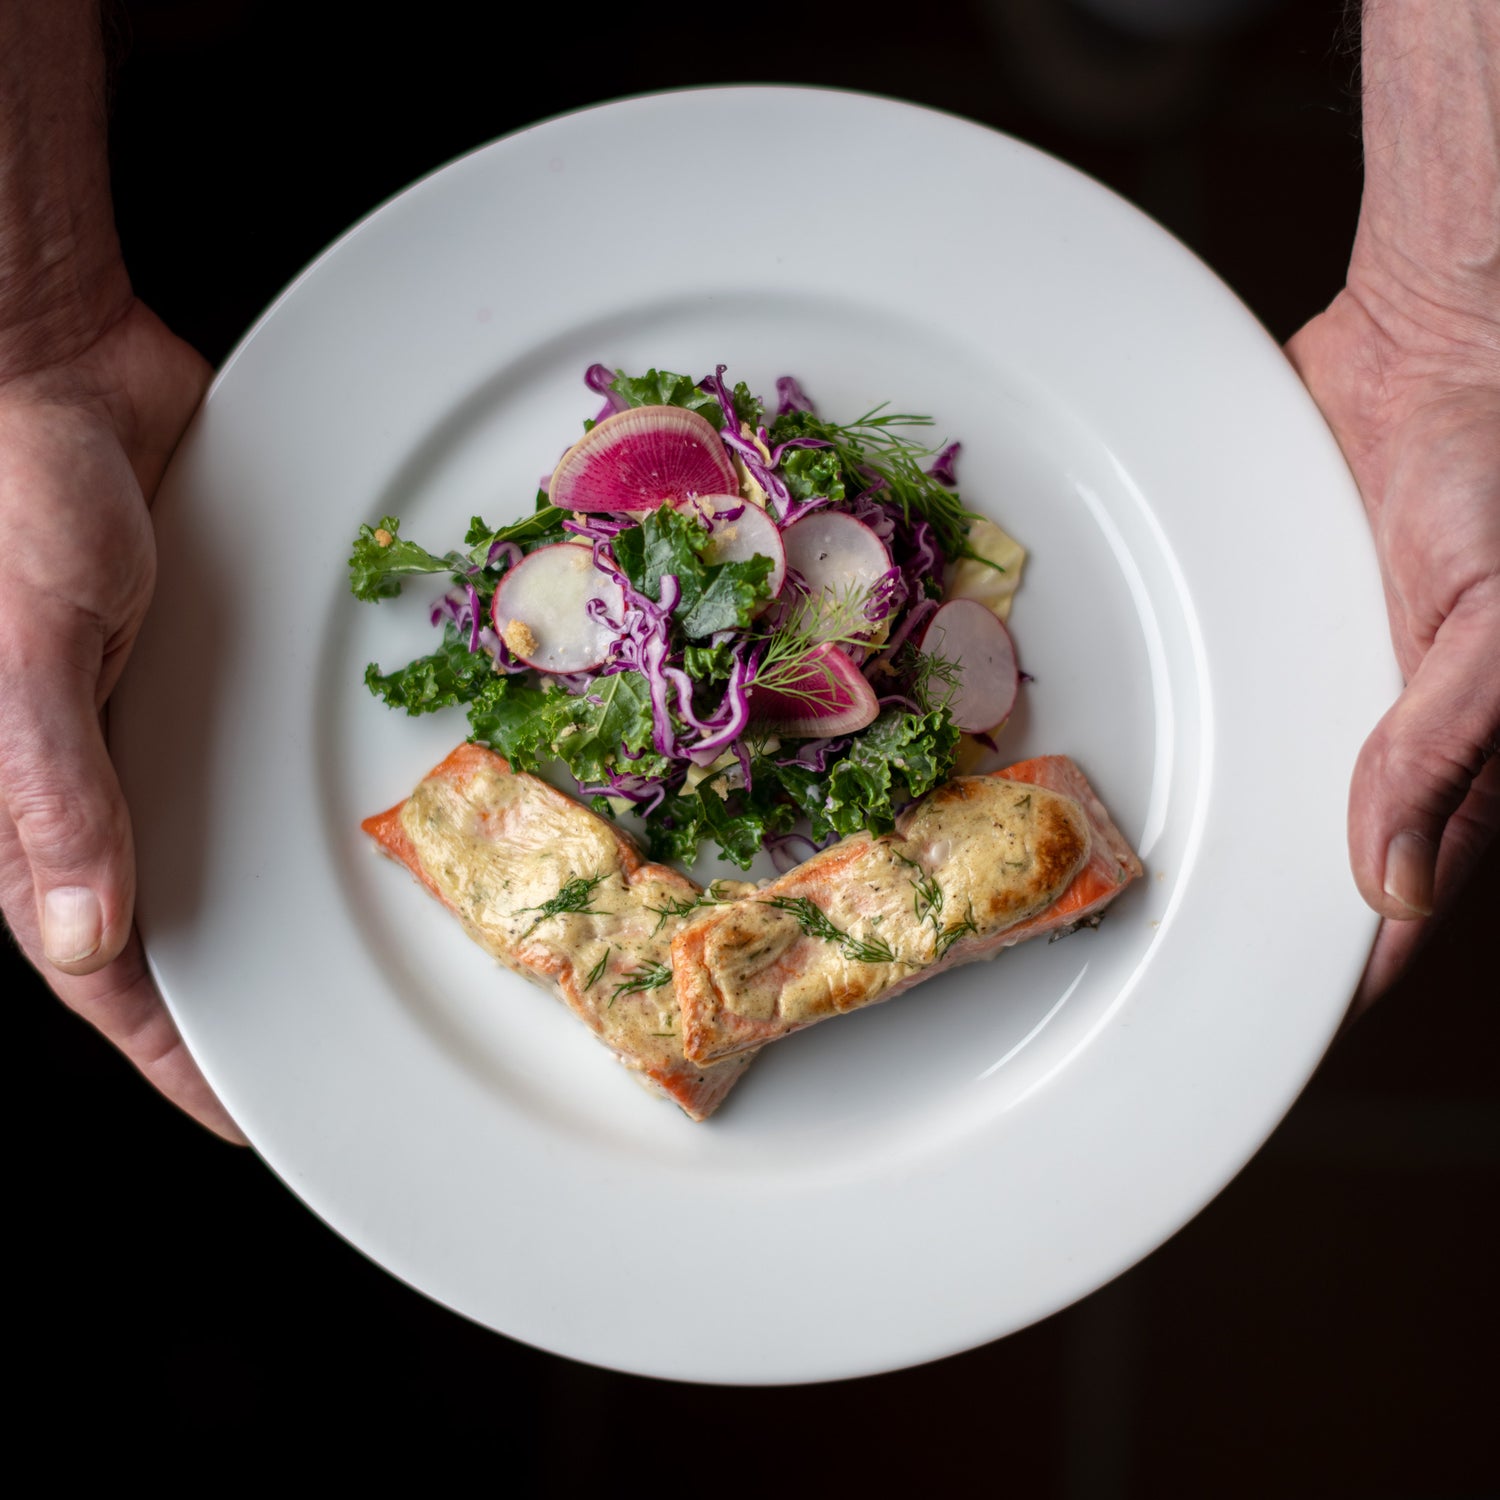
(59, 788)
(1418, 765)
(1469, 835)
(119, 1000)
(122, 1002)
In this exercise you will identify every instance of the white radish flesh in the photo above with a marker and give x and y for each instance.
(824, 694)
(639, 458)
(970, 636)
(840, 560)
(738, 538)
(541, 610)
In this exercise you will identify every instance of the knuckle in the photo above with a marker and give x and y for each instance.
(61, 828)
(1424, 768)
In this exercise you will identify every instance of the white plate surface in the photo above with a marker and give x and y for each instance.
(1199, 612)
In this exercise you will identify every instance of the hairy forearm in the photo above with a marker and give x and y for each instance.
(61, 277)
(1428, 247)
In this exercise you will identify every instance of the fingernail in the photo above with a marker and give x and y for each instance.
(1409, 860)
(72, 924)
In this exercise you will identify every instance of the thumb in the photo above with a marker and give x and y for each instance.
(1416, 768)
(60, 790)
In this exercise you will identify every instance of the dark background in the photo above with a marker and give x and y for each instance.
(1326, 1327)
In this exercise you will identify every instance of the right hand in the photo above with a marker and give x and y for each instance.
(83, 445)
(1417, 413)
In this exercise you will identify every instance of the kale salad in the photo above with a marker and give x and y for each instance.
(756, 627)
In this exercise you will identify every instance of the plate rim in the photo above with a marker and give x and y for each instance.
(1275, 1109)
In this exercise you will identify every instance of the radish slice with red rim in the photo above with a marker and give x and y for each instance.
(541, 609)
(838, 560)
(822, 694)
(969, 635)
(639, 458)
(738, 531)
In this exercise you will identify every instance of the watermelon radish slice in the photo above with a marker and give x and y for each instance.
(541, 609)
(823, 694)
(638, 458)
(838, 559)
(965, 632)
(738, 538)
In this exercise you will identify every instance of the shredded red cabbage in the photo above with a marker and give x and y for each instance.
(600, 378)
(695, 721)
(790, 396)
(941, 468)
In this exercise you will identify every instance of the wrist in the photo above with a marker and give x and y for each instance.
(1429, 314)
(62, 280)
(1426, 261)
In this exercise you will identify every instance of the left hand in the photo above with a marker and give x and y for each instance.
(84, 438)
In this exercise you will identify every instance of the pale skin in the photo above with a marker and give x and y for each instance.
(95, 393)
(1405, 365)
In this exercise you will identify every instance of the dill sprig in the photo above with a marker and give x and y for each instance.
(790, 665)
(573, 897)
(813, 921)
(676, 908)
(598, 969)
(948, 936)
(639, 980)
(874, 445)
(928, 898)
(927, 906)
(927, 668)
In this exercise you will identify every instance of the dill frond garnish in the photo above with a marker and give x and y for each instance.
(948, 936)
(813, 921)
(573, 897)
(791, 665)
(676, 908)
(875, 444)
(597, 970)
(928, 898)
(639, 980)
(927, 668)
(927, 906)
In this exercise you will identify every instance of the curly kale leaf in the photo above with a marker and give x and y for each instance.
(451, 674)
(663, 388)
(509, 716)
(540, 529)
(812, 471)
(715, 596)
(709, 664)
(382, 557)
(901, 755)
(738, 823)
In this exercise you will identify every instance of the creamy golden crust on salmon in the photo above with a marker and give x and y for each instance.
(563, 898)
(981, 863)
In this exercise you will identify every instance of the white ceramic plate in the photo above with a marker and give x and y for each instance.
(1201, 614)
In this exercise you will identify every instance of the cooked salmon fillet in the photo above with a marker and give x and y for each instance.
(562, 897)
(979, 864)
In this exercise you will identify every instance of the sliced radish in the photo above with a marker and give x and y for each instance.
(738, 538)
(824, 694)
(638, 458)
(963, 631)
(839, 559)
(541, 609)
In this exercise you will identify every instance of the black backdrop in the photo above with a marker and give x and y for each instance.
(1326, 1327)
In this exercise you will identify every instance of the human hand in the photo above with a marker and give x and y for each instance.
(1411, 389)
(83, 444)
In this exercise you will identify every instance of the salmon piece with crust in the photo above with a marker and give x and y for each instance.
(563, 898)
(979, 864)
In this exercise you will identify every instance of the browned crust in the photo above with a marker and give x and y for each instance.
(1062, 848)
